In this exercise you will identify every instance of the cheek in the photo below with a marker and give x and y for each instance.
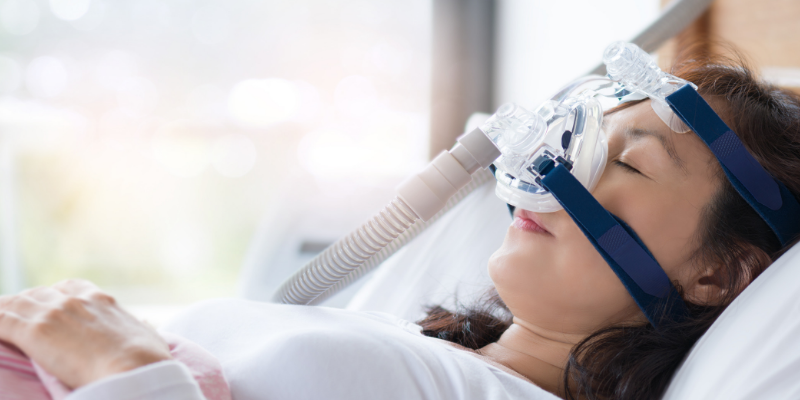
(558, 281)
(666, 221)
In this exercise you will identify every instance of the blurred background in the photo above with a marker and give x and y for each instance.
(143, 141)
(176, 150)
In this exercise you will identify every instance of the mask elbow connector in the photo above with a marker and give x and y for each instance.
(478, 146)
(634, 68)
(427, 192)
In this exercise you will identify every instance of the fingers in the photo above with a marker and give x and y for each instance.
(44, 294)
(76, 287)
(20, 305)
(33, 311)
(11, 325)
(4, 300)
(84, 290)
(77, 332)
(35, 303)
(72, 287)
(39, 305)
(15, 314)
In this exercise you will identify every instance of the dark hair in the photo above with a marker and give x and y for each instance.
(636, 362)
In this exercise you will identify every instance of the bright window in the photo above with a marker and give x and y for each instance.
(142, 141)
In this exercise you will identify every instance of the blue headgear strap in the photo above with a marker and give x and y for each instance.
(770, 198)
(622, 249)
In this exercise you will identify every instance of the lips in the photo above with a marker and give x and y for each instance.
(529, 222)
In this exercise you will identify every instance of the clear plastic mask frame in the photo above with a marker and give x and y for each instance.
(567, 129)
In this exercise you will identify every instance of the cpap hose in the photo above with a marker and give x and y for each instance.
(421, 200)
(295, 291)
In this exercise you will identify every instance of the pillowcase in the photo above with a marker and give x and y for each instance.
(753, 350)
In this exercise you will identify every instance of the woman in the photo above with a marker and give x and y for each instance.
(562, 321)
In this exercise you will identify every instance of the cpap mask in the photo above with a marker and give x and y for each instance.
(553, 157)
(549, 159)
(567, 129)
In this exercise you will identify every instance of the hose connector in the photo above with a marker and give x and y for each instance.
(428, 191)
(639, 73)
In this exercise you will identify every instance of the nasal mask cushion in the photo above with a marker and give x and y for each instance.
(553, 157)
(569, 131)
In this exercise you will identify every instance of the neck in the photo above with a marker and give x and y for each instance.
(535, 353)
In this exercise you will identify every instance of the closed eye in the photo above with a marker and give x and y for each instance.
(627, 167)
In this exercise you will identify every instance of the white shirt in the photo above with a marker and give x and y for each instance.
(276, 352)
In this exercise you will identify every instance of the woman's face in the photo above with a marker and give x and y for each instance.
(657, 181)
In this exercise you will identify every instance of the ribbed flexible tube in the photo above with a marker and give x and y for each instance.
(364, 249)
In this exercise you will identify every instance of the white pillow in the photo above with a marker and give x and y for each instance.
(753, 350)
(450, 257)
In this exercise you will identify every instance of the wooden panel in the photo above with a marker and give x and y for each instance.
(767, 32)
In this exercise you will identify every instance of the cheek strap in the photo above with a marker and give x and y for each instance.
(621, 248)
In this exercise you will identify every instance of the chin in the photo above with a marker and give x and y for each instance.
(497, 262)
(509, 268)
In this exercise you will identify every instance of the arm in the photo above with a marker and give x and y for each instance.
(86, 340)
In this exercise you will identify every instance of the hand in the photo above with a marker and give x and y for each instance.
(78, 333)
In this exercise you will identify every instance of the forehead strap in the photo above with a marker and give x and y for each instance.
(769, 198)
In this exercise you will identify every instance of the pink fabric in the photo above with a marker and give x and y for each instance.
(21, 379)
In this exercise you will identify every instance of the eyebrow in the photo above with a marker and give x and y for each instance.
(665, 143)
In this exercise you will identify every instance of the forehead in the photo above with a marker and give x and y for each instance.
(640, 115)
(639, 123)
